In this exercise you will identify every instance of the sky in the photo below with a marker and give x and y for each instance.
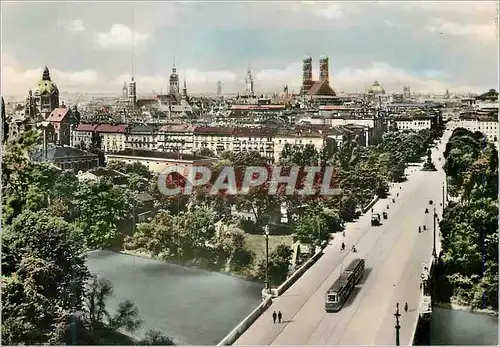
(94, 47)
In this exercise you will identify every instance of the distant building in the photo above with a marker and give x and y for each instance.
(62, 118)
(112, 137)
(46, 95)
(249, 83)
(81, 135)
(323, 70)
(173, 88)
(416, 123)
(176, 138)
(132, 93)
(125, 91)
(141, 137)
(158, 161)
(67, 158)
(319, 91)
(219, 88)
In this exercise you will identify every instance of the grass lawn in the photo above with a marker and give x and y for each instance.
(257, 243)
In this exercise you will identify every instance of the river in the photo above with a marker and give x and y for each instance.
(454, 327)
(191, 306)
(198, 307)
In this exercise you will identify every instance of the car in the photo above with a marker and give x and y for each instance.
(375, 219)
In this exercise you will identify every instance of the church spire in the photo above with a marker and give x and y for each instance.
(46, 74)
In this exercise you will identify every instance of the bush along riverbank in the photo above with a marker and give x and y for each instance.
(468, 272)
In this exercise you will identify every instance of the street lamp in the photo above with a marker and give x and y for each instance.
(266, 232)
(398, 327)
(434, 253)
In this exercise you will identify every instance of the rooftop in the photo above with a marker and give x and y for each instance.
(144, 153)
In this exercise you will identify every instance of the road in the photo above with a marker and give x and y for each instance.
(394, 252)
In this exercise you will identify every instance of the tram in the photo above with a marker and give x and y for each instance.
(343, 286)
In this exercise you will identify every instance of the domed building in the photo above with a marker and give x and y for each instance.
(376, 89)
(46, 95)
(376, 95)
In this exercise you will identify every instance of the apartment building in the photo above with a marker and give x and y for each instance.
(413, 123)
(112, 137)
(142, 137)
(260, 140)
(176, 138)
(217, 139)
(488, 125)
(82, 135)
(300, 137)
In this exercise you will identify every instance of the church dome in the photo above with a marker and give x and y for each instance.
(46, 86)
(376, 88)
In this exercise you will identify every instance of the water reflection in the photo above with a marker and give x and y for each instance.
(452, 327)
(190, 305)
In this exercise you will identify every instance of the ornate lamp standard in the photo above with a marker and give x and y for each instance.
(398, 327)
(434, 253)
(266, 232)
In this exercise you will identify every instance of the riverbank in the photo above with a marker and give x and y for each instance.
(143, 255)
(459, 307)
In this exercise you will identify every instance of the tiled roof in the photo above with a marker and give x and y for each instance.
(214, 131)
(321, 88)
(178, 128)
(257, 107)
(86, 127)
(58, 114)
(142, 129)
(249, 132)
(108, 128)
(56, 153)
(143, 153)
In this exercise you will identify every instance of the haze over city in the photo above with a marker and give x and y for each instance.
(88, 46)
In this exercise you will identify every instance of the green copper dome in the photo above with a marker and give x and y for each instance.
(376, 88)
(46, 86)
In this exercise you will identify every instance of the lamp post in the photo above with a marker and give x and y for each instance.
(444, 201)
(434, 253)
(266, 232)
(398, 327)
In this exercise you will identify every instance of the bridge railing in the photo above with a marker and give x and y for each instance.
(231, 338)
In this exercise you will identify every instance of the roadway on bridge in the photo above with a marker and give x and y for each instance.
(395, 253)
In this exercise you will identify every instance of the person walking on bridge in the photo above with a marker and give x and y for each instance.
(279, 316)
(406, 307)
(274, 317)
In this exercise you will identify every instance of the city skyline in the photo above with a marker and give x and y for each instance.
(88, 46)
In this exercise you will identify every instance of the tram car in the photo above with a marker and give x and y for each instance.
(343, 286)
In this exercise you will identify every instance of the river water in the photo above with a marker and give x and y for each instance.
(453, 327)
(198, 307)
(191, 306)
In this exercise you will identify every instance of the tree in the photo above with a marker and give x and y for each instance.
(40, 280)
(279, 265)
(205, 152)
(101, 207)
(156, 338)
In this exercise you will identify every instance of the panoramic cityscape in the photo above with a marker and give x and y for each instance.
(245, 173)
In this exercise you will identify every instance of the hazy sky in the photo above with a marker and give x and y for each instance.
(87, 45)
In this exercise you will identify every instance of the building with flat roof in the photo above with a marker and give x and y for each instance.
(158, 161)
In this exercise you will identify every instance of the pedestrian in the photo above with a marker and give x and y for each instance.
(406, 307)
(279, 316)
(343, 246)
(343, 233)
(274, 317)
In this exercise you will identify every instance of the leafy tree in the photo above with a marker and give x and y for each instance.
(279, 265)
(155, 338)
(205, 152)
(101, 207)
(40, 280)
